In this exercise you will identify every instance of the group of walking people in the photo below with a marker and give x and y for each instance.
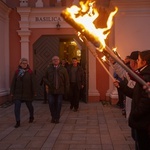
(59, 81)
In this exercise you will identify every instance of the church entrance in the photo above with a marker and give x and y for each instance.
(66, 47)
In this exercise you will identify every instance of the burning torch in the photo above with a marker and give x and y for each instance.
(82, 18)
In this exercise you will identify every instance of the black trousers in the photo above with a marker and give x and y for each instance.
(143, 139)
(121, 98)
(74, 95)
(18, 107)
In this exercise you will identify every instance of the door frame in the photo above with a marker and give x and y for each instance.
(84, 60)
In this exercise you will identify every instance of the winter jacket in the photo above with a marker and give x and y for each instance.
(63, 80)
(140, 109)
(79, 76)
(23, 88)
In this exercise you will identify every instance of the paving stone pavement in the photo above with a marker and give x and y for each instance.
(93, 127)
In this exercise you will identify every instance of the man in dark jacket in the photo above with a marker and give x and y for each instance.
(57, 81)
(76, 76)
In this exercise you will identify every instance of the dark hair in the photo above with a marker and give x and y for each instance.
(127, 57)
(74, 58)
(145, 55)
(134, 55)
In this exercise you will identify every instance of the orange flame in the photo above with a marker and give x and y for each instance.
(116, 53)
(104, 58)
(86, 14)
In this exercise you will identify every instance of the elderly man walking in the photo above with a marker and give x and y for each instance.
(57, 81)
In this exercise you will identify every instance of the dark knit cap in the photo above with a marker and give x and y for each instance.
(134, 55)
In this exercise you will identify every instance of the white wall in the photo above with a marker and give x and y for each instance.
(132, 26)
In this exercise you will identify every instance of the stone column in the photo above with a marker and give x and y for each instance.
(24, 43)
(24, 31)
(93, 93)
(112, 94)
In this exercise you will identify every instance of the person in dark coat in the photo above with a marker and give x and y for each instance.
(23, 90)
(139, 118)
(65, 64)
(77, 80)
(121, 96)
(57, 81)
(44, 90)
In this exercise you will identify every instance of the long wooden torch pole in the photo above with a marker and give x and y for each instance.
(93, 51)
(133, 74)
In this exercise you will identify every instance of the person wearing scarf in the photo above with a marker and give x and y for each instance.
(23, 89)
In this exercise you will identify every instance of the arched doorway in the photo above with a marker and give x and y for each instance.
(66, 47)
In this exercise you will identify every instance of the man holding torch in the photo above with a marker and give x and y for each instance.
(122, 73)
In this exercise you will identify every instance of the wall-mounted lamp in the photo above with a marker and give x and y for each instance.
(58, 25)
(78, 52)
